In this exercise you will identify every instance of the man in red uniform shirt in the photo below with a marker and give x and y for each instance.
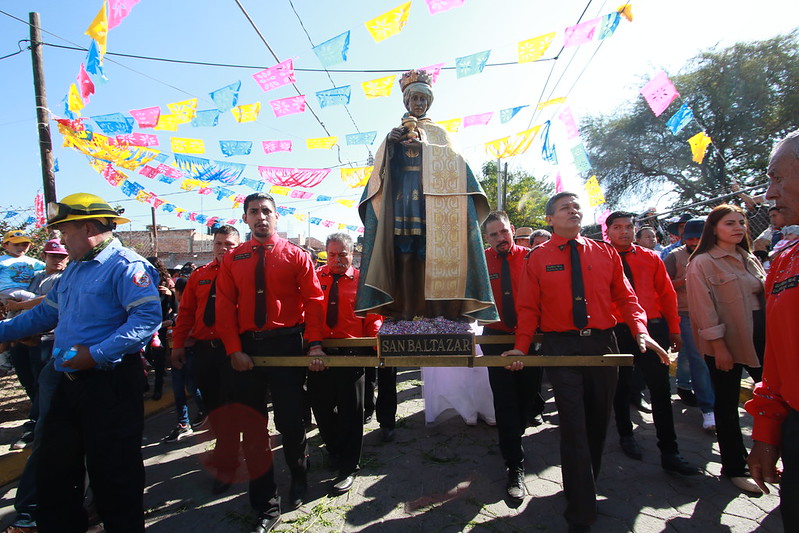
(650, 281)
(516, 394)
(337, 393)
(574, 308)
(267, 295)
(195, 336)
(775, 406)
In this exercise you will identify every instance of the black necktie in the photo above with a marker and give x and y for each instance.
(627, 270)
(209, 315)
(260, 288)
(579, 311)
(508, 306)
(332, 303)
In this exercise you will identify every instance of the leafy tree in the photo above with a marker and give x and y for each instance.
(745, 97)
(526, 196)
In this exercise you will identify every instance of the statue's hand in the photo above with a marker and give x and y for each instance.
(396, 134)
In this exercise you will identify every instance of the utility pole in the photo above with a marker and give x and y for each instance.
(500, 187)
(45, 141)
(155, 233)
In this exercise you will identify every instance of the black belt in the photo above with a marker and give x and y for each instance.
(587, 332)
(83, 374)
(213, 343)
(277, 332)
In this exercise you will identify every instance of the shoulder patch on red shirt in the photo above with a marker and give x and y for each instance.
(141, 279)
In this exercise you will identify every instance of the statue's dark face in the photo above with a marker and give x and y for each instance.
(417, 104)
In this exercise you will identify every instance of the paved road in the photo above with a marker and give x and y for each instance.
(449, 477)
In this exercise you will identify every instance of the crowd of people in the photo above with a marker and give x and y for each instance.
(82, 332)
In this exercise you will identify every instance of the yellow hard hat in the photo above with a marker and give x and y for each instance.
(81, 206)
(321, 257)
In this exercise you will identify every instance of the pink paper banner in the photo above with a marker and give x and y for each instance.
(659, 93)
(148, 171)
(138, 139)
(439, 6)
(580, 33)
(434, 71)
(303, 195)
(277, 76)
(85, 84)
(168, 171)
(147, 117)
(288, 106)
(477, 120)
(118, 10)
(271, 147)
(294, 177)
(558, 184)
(567, 118)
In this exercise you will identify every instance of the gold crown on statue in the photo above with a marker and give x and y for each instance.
(414, 76)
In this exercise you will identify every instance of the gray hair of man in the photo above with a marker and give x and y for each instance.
(792, 139)
(540, 233)
(343, 238)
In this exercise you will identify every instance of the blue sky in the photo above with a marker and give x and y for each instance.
(663, 36)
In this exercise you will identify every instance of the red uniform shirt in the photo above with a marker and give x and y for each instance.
(516, 255)
(544, 299)
(348, 325)
(777, 394)
(191, 311)
(653, 287)
(293, 295)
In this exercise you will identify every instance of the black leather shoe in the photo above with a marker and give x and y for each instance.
(687, 397)
(676, 464)
(640, 404)
(219, 487)
(266, 523)
(630, 447)
(297, 491)
(388, 434)
(342, 484)
(515, 486)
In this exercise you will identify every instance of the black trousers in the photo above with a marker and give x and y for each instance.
(246, 413)
(656, 377)
(517, 397)
(210, 364)
(789, 485)
(727, 386)
(337, 403)
(98, 418)
(584, 397)
(385, 379)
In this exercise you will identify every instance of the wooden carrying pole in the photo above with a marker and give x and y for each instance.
(440, 360)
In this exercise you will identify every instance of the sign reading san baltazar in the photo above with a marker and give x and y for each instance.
(426, 344)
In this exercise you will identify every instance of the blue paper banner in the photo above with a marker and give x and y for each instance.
(471, 64)
(335, 96)
(230, 148)
(207, 118)
(506, 114)
(227, 97)
(680, 119)
(367, 137)
(608, 25)
(114, 123)
(581, 158)
(333, 51)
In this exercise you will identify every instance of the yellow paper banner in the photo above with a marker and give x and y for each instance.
(595, 196)
(554, 101)
(282, 191)
(167, 123)
(183, 111)
(513, 145)
(74, 101)
(301, 216)
(699, 144)
(626, 11)
(321, 143)
(356, 177)
(246, 113)
(452, 125)
(98, 29)
(182, 145)
(389, 23)
(191, 183)
(533, 49)
(347, 203)
(99, 147)
(379, 87)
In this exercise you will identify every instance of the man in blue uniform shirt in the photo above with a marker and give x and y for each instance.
(104, 309)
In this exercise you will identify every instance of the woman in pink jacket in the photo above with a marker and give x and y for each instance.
(727, 307)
